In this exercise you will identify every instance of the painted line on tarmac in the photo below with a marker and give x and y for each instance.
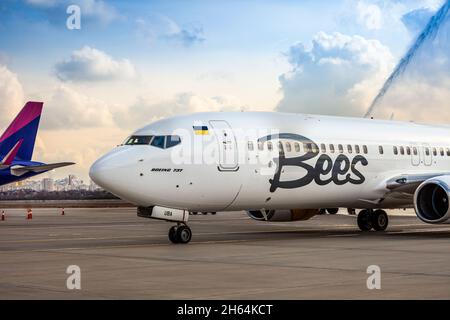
(420, 231)
(61, 250)
(292, 230)
(159, 235)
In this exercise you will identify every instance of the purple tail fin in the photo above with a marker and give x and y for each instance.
(24, 127)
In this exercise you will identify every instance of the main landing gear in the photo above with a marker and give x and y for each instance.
(180, 233)
(369, 219)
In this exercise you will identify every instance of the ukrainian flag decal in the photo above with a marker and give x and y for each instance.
(201, 130)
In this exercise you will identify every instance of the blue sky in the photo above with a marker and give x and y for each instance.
(135, 61)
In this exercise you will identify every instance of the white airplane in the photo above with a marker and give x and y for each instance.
(280, 167)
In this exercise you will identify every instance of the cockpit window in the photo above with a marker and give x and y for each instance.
(163, 142)
(172, 141)
(158, 141)
(133, 140)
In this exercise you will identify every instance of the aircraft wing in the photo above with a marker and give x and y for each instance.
(408, 183)
(20, 170)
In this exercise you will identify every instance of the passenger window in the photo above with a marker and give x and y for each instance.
(395, 150)
(442, 151)
(307, 147)
(415, 151)
(250, 146)
(341, 148)
(402, 150)
(434, 152)
(269, 146)
(158, 141)
(408, 151)
(260, 146)
(380, 149)
(349, 148)
(172, 141)
(365, 149)
(357, 150)
(427, 151)
(288, 147)
(331, 148)
(323, 148)
(448, 152)
(297, 147)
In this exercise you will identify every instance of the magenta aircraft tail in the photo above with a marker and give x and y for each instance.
(19, 138)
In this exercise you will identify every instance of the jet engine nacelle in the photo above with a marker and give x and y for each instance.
(282, 215)
(431, 200)
(162, 213)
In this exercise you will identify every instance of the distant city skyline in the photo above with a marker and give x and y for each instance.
(45, 183)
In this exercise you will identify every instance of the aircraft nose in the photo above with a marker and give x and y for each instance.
(99, 173)
(109, 170)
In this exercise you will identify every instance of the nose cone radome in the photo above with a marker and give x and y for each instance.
(110, 171)
(99, 173)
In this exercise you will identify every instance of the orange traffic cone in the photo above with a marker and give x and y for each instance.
(62, 211)
(30, 214)
(3, 215)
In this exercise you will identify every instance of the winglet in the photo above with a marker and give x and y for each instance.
(8, 159)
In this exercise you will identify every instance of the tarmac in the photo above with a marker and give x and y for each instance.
(122, 256)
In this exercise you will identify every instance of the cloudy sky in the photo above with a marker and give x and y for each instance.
(136, 61)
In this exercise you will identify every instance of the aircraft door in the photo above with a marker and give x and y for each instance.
(228, 151)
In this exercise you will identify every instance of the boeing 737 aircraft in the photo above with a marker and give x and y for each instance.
(280, 167)
(17, 145)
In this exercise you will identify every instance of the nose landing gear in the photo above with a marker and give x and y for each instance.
(369, 219)
(180, 234)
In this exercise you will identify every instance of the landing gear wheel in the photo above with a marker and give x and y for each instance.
(322, 211)
(184, 234)
(173, 234)
(332, 210)
(380, 220)
(351, 211)
(364, 220)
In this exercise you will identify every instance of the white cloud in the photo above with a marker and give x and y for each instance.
(337, 74)
(90, 64)
(68, 109)
(98, 9)
(415, 99)
(11, 95)
(145, 111)
(370, 15)
(157, 26)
